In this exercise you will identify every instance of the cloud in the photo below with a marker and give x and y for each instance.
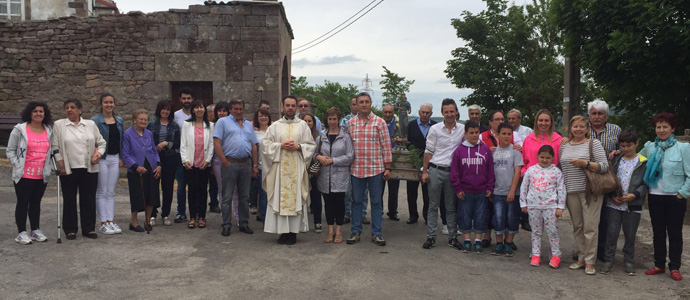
(328, 60)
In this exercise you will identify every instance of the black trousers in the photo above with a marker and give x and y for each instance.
(197, 183)
(29, 193)
(412, 193)
(667, 214)
(393, 186)
(84, 183)
(334, 204)
(167, 182)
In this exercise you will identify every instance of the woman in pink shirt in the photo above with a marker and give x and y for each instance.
(196, 151)
(28, 152)
(544, 134)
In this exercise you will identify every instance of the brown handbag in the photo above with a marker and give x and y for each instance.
(601, 183)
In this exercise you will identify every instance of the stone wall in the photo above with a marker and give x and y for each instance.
(243, 48)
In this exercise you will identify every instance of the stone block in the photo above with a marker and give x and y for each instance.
(166, 31)
(199, 9)
(266, 59)
(156, 46)
(273, 21)
(231, 10)
(176, 45)
(266, 9)
(259, 34)
(234, 73)
(206, 32)
(144, 75)
(255, 21)
(190, 67)
(185, 31)
(219, 46)
(255, 46)
(240, 58)
(92, 83)
(172, 18)
(227, 33)
(198, 46)
(251, 72)
(232, 20)
(66, 65)
(266, 84)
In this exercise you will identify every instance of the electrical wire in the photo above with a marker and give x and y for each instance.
(346, 26)
(336, 27)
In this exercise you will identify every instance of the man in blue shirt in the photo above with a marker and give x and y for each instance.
(235, 144)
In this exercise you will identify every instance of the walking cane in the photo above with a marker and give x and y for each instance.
(57, 173)
(141, 182)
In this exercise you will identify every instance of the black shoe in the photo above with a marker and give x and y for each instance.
(526, 226)
(454, 243)
(137, 229)
(148, 227)
(292, 239)
(346, 220)
(430, 242)
(226, 231)
(282, 240)
(486, 243)
(181, 218)
(214, 209)
(71, 236)
(512, 246)
(246, 229)
(411, 221)
(393, 217)
(91, 235)
(575, 256)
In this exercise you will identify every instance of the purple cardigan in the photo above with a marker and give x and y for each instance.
(472, 168)
(136, 148)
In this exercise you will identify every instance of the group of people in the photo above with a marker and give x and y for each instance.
(480, 178)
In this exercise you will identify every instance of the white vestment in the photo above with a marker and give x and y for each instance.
(286, 182)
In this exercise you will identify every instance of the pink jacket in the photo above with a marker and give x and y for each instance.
(531, 146)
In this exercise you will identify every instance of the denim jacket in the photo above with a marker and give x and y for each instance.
(172, 137)
(103, 128)
(675, 167)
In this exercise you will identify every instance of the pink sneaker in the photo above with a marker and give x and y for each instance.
(555, 262)
(535, 260)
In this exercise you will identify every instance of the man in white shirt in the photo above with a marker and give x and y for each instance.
(186, 98)
(441, 142)
(304, 107)
(520, 132)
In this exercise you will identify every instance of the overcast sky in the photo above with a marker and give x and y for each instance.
(413, 38)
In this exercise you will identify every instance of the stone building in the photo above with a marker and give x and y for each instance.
(234, 50)
(51, 9)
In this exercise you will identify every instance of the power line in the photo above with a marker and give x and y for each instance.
(336, 27)
(346, 26)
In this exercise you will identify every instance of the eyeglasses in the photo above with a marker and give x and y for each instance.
(304, 105)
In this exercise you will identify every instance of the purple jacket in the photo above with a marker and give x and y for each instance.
(472, 168)
(135, 148)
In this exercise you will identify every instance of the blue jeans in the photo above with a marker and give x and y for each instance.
(506, 215)
(181, 189)
(474, 214)
(359, 187)
(348, 203)
(255, 191)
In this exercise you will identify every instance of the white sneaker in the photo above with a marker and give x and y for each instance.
(105, 229)
(37, 235)
(23, 238)
(445, 229)
(114, 227)
(152, 221)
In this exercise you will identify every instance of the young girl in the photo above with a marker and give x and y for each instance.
(543, 196)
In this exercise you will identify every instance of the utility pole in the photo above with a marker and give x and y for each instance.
(571, 92)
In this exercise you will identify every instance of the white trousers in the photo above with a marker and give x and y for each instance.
(108, 173)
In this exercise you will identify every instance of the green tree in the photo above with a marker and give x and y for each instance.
(510, 58)
(393, 85)
(330, 94)
(638, 51)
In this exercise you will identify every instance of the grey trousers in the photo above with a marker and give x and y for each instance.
(236, 176)
(629, 221)
(439, 182)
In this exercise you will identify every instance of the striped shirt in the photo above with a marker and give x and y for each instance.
(575, 178)
(608, 136)
(372, 145)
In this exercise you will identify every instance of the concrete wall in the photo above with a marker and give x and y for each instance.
(239, 48)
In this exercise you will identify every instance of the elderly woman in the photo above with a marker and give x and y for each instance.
(110, 126)
(196, 151)
(28, 152)
(335, 153)
(140, 154)
(166, 136)
(668, 178)
(78, 147)
(584, 208)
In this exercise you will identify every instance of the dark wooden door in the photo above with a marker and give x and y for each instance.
(203, 90)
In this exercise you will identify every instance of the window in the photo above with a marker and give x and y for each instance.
(12, 9)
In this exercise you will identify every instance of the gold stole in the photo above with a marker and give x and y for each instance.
(289, 175)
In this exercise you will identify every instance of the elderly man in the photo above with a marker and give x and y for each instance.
(371, 166)
(393, 184)
(235, 144)
(305, 107)
(474, 112)
(287, 148)
(520, 132)
(607, 134)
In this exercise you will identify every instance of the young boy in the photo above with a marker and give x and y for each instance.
(625, 210)
(472, 176)
(507, 166)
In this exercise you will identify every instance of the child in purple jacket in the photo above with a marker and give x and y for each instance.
(472, 176)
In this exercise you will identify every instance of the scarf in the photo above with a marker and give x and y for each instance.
(654, 171)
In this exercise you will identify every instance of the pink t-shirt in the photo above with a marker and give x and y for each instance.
(198, 146)
(36, 150)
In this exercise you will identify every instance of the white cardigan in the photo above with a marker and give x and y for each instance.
(187, 142)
